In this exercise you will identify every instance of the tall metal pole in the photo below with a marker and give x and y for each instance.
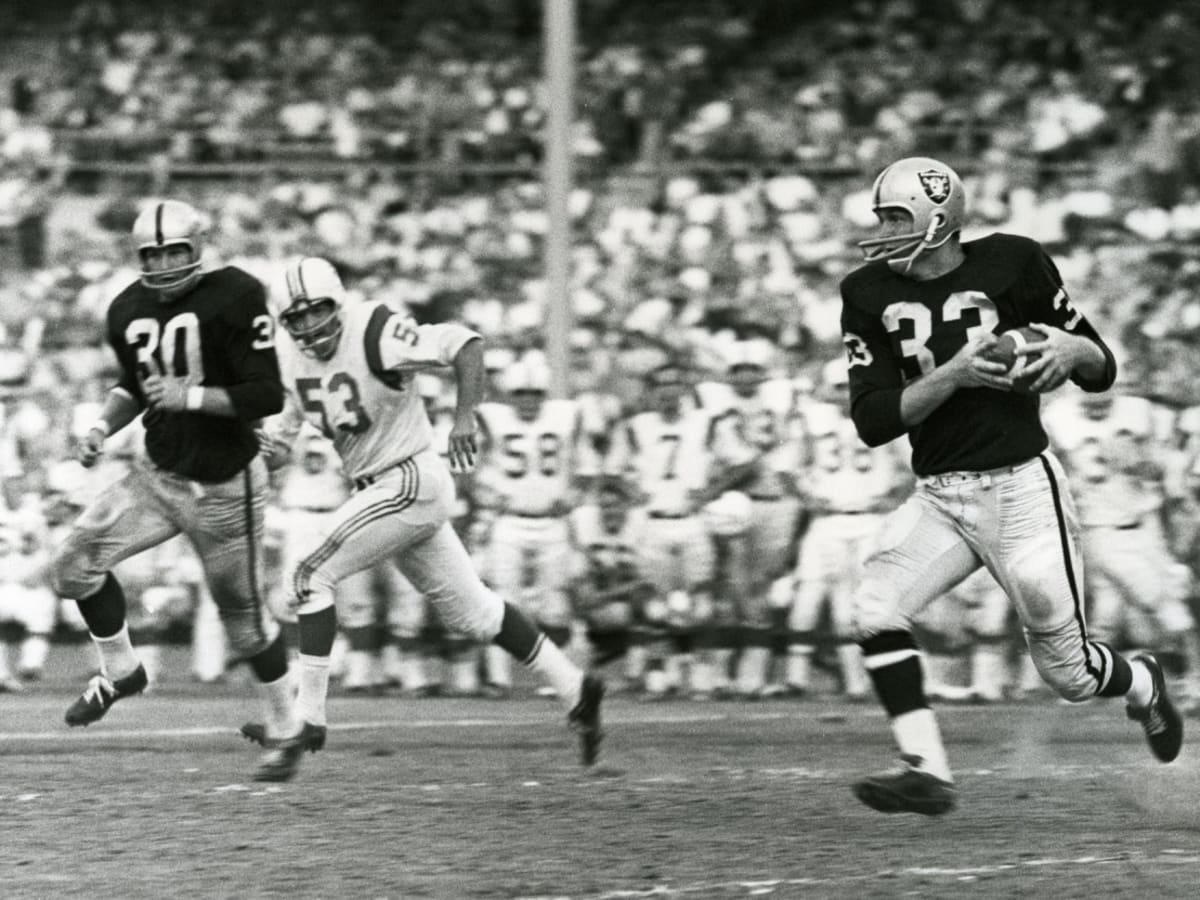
(559, 54)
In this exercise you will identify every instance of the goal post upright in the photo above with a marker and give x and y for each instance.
(559, 61)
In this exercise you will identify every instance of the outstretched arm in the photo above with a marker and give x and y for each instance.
(470, 377)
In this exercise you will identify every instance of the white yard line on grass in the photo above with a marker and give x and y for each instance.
(524, 721)
(764, 886)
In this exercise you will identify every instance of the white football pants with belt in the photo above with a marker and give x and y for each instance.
(403, 515)
(1018, 521)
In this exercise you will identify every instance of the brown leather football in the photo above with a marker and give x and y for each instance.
(1005, 351)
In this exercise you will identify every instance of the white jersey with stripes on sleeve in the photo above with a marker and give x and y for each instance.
(362, 398)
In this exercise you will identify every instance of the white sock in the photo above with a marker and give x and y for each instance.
(151, 657)
(279, 703)
(702, 676)
(34, 650)
(989, 669)
(855, 680)
(1141, 688)
(674, 665)
(463, 672)
(799, 665)
(917, 734)
(359, 669)
(556, 670)
(412, 670)
(635, 663)
(389, 662)
(499, 665)
(656, 682)
(314, 686)
(117, 658)
(752, 669)
(720, 657)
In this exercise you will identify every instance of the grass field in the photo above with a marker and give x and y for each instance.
(476, 798)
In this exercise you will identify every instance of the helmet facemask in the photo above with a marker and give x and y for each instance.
(528, 403)
(315, 325)
(174, 281)
(902, 250)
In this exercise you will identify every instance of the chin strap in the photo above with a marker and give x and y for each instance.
(935, 222)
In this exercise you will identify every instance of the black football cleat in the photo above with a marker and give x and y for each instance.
(101, 693)
(282, 759)
(584, 719)
(313, 735)
(907, 789)
(1160, 719)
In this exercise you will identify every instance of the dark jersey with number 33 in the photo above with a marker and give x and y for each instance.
(897, 329)
(219, 334)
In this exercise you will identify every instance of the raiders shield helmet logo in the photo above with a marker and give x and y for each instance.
(936, 185)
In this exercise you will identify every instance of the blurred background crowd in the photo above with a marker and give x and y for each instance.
(723, 149)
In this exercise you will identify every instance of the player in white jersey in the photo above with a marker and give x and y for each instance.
(848, 487)
(757, 449)
(972, 621)
(663, 452)
(1135, 587)
(609, 590)
(348, 370)
(28, 608)
(530, 449)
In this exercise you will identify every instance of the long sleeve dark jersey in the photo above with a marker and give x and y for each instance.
(897, 329)
(219, 334)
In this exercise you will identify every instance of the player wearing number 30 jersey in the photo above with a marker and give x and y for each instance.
(348, 370)
(918, 321)
(197, 357)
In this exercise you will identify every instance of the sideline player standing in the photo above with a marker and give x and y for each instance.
(197, 354)
(917, 321)
(352, 378)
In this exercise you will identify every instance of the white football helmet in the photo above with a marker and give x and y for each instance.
(166, 224)
(527, 382)
(530, 373)
(932, 193)
(315, 297)
(748, 364)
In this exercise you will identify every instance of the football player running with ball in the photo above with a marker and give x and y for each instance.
(349, 371)
(197, 358)
(918, 321)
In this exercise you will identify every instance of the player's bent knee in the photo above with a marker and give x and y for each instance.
(315, 602)
(476, 613)
(1067, 678)
(248, 634)
(70, 575)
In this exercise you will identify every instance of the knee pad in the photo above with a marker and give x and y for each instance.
(250, 632)
(71, 575)
(1061, 660)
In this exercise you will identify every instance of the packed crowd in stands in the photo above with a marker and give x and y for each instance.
(725, 151)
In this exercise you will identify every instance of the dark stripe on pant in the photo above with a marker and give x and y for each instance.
(405, 498)
(1065, 542)
(252, 551)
